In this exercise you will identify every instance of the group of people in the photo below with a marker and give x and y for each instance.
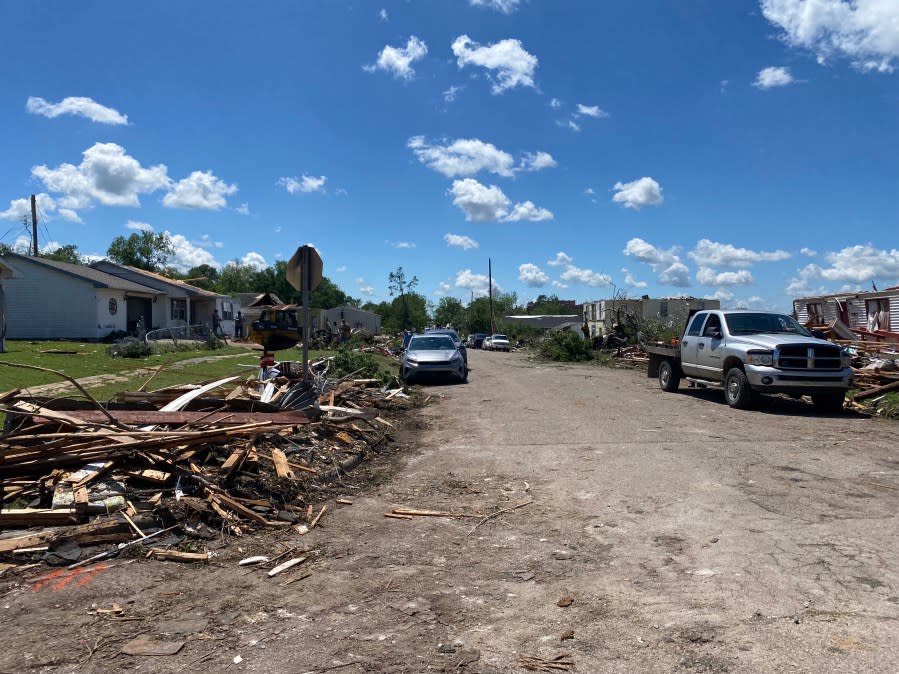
(217, 329)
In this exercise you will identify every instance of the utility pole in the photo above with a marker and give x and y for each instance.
(34, 225)
(490, 293)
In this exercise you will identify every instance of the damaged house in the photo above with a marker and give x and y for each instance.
(867, 315)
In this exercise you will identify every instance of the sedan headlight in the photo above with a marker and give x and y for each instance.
(760, 358)
(457, 358)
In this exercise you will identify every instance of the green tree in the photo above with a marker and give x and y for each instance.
(398, 285)
(236, 277)
(451, 311)
(65, 254)
(203, 276)
(547, 305)
(144, 250)
(410, 311)
(328, 295)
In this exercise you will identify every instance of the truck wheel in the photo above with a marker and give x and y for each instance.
(828, 402)
(669, 378)
(736, 389)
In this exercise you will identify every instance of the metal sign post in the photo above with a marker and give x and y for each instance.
(304, 272)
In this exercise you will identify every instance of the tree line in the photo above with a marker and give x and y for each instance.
(407, 308)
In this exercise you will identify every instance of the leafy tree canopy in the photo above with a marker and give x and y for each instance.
(65, 254)
(144, 250)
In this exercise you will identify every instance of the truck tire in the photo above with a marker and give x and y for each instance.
(828, 402)
(669, 377)
(737, 391)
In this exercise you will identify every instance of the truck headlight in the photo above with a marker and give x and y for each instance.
(760, 358)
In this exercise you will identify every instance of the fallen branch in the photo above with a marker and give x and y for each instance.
(498, 512)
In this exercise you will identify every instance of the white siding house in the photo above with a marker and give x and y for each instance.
(871, 311)
(601, 315)
(180, 303)
(46, 299)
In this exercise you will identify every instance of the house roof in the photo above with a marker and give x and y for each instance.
(97, 278)
(186, 287)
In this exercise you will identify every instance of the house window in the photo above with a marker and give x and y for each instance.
(878, 314)
(179, 310)
(663, 309)
(227, 311)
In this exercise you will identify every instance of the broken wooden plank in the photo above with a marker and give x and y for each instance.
(108, 526)
(167, 555)
(871, 392)
(290, 563)
(282, 469)
(30, 517)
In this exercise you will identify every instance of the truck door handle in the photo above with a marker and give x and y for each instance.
(685, 342)
(701, 345)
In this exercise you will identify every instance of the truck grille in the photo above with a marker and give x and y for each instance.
(808, 357)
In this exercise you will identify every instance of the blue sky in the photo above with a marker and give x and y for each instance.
(746, 150)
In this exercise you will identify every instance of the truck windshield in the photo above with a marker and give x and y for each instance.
(754, 323)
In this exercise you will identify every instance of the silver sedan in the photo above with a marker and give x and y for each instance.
(433, 354)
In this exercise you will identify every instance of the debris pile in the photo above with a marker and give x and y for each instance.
(223, 456)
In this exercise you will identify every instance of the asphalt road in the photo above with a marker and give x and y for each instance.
(637, 531)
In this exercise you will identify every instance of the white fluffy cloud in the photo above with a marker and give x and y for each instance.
(460, 241)
(366, 290)
(304, 184)
(469, 156)
(139, 226)
(243, 209)
(403, 244)
(865, 31)
(255, 260)
(586, 276)
(808, 252)
(852, 265)
(590, 111)
(463, 157)
(561, 260)
(106, 174)
(713, 254)
(478, 284)
(665, 263)
(773, 77)
(504, 6)
(632, 282)
(19, 209)
(481, 203)
(75, 105)
(532, 276)
(721, 295)
(510, 65)
(398, 60)
(383, 15)
(710, 277)
(559, 284)
(537, 161)
(639, 193)
(188, 255)
(199, 190)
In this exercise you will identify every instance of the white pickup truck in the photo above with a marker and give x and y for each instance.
(753, 352)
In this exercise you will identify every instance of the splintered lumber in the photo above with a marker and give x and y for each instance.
(871, 392)
(177, 555)
(286, 565)
(282, 469)
(180, 418)
(29, 517)
(318, 517)
(399, 517)
(222, 500)
(103, 527)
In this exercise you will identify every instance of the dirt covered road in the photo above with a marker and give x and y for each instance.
(634, 531)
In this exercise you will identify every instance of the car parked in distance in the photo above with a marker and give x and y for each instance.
(497, 343)
(433, 354)
(476, 340)
(455, 337)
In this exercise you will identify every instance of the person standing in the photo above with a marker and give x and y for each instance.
(238, 326)
(217, 324)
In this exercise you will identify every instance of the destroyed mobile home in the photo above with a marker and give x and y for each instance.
(88, 480)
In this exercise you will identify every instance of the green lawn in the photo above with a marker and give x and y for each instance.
(80, 359)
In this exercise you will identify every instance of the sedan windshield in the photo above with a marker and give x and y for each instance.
(435, 343)
(756, 323)
(500, 337)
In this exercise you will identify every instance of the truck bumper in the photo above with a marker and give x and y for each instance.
(773, 380)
